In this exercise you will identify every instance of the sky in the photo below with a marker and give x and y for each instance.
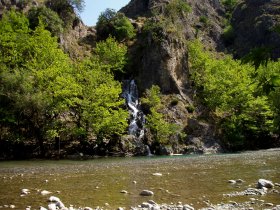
(93, 8)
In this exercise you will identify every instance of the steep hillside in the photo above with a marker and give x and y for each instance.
(75, 38)
(254, 25)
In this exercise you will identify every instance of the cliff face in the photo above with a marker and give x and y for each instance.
(165, 62)
(254, 25)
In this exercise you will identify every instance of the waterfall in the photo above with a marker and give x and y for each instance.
(137, 120)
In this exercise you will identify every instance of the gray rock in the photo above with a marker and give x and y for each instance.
(264, 183)
(147, 193)
(146, 205)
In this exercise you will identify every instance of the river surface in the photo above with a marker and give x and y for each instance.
(99, 182)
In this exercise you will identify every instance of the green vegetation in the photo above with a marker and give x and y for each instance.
(176, 8)
(167, 21)
(161, 129)
(49, 18)
(46, 97)
(204, 20)
(228, 35)
(65, 10)
(111, 23)
(247, 115)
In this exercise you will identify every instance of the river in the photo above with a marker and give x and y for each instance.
(193, 180)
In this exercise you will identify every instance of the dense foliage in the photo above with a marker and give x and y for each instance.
(46, 98)
(112, 23)
(49, 18)
(247, 115)
(161, 129)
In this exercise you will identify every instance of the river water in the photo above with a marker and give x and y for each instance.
(187, 179)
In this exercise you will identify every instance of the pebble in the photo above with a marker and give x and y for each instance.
(25, 191)
(146, 193)
(124, 192)
(157, 174)
(88, 208)
(45, 192)
(134, 182)
(268, 204)
(231, 181)
(12, 206)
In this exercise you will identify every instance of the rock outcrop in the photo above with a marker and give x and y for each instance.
(165, 63)
(254, 25)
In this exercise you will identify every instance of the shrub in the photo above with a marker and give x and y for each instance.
(190, 108)
(203, 19)
(174, 102)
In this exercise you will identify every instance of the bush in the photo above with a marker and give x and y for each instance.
(204, 20)
(190, 108)
(115, 24)
(174, 102)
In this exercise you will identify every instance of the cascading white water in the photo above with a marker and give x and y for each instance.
(130, 93)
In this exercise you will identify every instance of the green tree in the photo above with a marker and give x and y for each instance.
(229, 91)
(160, 128)
(32, 63)
(50, 19)
(110, 54)
(112, 23)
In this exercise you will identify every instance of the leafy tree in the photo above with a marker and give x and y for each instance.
(32, 66)
(160, 128)
(110, 54)
(65, 9)
(115, 24)
(50, 19)
(229, 91)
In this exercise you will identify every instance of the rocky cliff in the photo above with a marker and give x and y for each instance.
(254, 24)
(165, 63)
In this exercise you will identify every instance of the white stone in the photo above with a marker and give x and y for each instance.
(124, 191)
(231, 181)
(45, 192)
(188, 207)
(12, 206)
(157, 174)
(54, 199)
(88, 208)
(25, 191)
(52, 206)
(43, 208)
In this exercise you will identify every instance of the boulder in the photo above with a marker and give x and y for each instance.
(147, 193)
(264, 183)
